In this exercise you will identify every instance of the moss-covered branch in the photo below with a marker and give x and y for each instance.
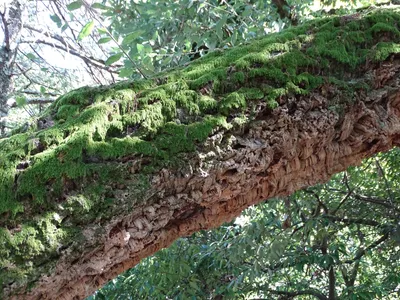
(109, 175)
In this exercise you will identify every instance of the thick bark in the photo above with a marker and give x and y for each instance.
(11, 19)
(111, 175)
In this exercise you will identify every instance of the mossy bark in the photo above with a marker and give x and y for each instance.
(110, 175)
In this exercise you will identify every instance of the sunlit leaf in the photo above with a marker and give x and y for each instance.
(139, 47)
(86, 30)
(20, 100)
(102, 30)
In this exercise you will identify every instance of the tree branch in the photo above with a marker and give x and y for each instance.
(49, 35)
(332, 283)
(98, 63)
(300, 293)
(31, 80)
(39, 93)
(284, 11)
(35, 101)
(375, 201)
(362, 252)
(6, 32)
(352, 221)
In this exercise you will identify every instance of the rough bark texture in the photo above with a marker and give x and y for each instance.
(132, 167)
(11, 19)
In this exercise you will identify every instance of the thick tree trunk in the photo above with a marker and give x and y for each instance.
(11, 19)
(111, 175)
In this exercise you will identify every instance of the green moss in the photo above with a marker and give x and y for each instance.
(381, 27)
(239, 77)
(67, 111)
(231, 103)
(251, 93)
(207, 104)
(209, 78)
(383, 50)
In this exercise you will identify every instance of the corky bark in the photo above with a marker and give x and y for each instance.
(306, 139)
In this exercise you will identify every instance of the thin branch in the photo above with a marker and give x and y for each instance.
(362, 252)
(88, 59)
(49, 35)
(382, 174)
(36, 101)
(95, 16)
(39, 93)
(37, 63)
(31, 80)
(332, 283)
(375, 201)
(354, 273)
(62, 16)
(299, 293)
(352, 221)
(320, 203)
(344, 199)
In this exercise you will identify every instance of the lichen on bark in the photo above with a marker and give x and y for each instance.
(108, 175)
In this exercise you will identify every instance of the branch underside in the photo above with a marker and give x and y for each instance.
(278, 153)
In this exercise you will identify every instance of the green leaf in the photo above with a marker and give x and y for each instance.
(139, 47)
(113, 58)
(193, 285)
(100, 6)
(20, 100)
(131, 37)
(42, 89)
(147, 48)
(148, 63)
(125, 72)
(247, 11)
(64, 27)
(56, 19)
(86, 30)
(104, 40)
(218, 27)
(31, 56)
(102, 30)
(74, 5)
